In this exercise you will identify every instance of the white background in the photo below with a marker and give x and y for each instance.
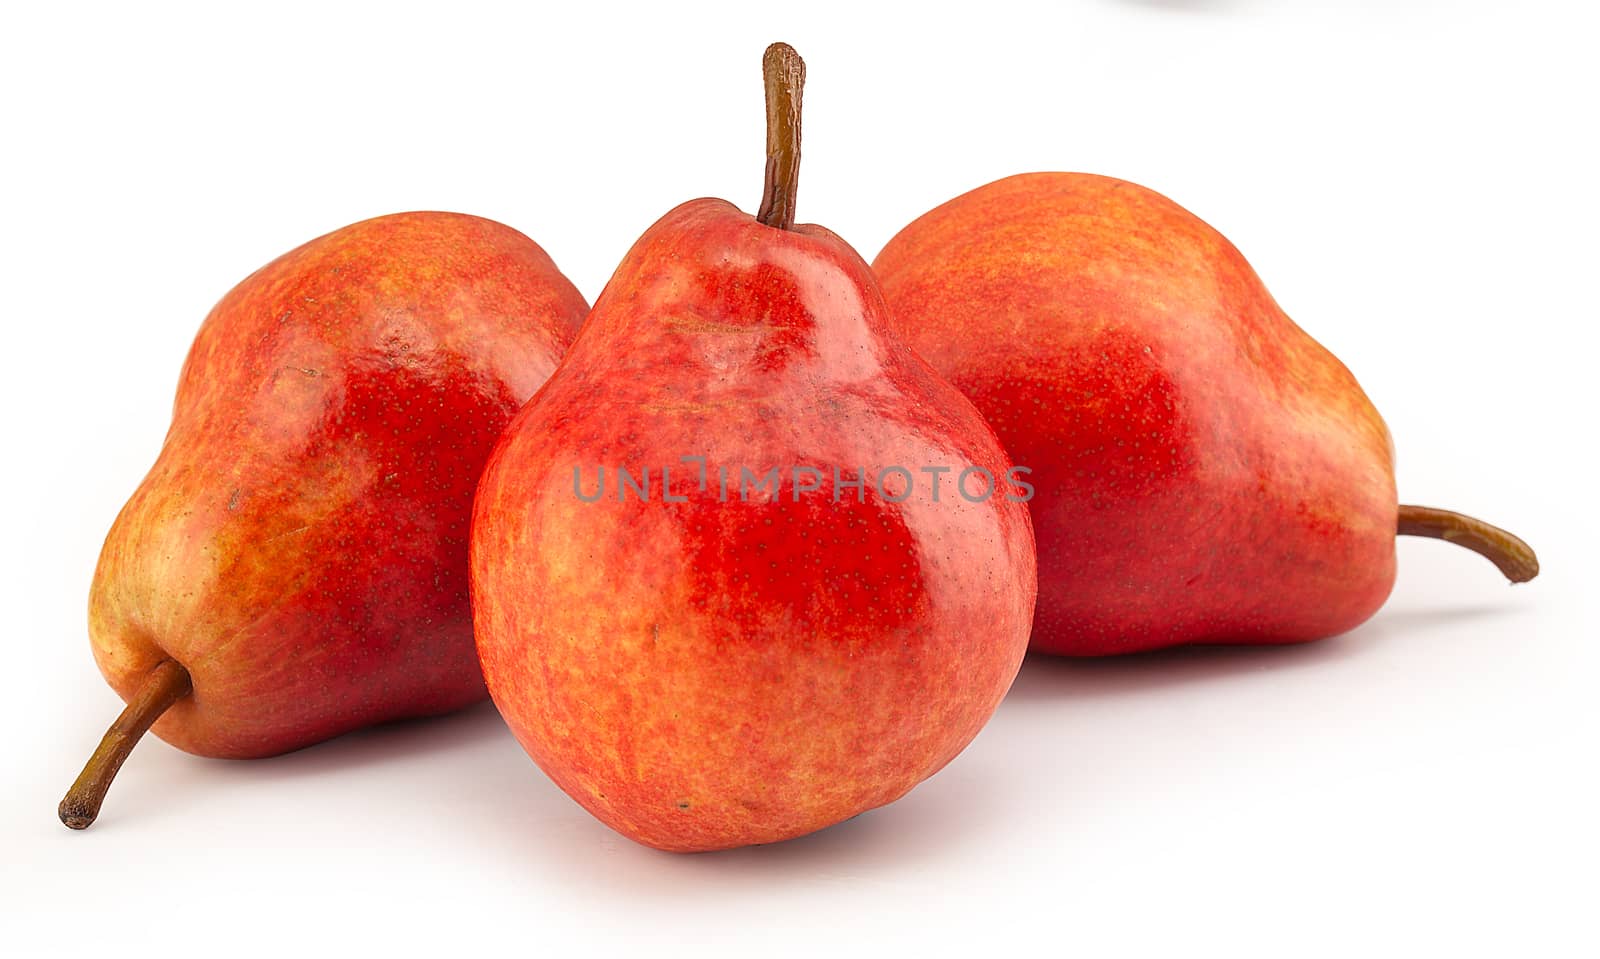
(1415, 181)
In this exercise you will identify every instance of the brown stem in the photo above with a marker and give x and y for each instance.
(785, 76)
(1514, 557)
(167, 683)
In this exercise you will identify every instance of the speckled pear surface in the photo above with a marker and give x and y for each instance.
(300, 545)
(708, 673)
(1205, 470)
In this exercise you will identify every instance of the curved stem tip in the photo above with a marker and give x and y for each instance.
(1514, 557)
(167, 683)
(785, 76)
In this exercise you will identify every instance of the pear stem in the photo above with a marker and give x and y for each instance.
(1514, 557)
(167, 683)
(785, 76)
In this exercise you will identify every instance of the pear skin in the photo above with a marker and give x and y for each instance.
(294, 566)
(714, 661)
(1206, 472)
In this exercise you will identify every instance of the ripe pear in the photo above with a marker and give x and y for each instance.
(294, 566)
(761, 627)
(1206, 472)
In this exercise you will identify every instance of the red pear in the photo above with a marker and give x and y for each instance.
(717, 597)
(1205, 471)
(294, 566)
